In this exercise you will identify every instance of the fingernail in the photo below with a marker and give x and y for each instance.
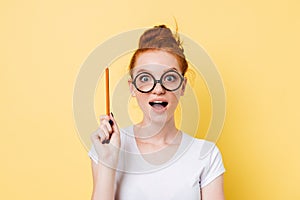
(112, 114)
(111, 122)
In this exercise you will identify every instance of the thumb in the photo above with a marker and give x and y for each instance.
(113, 123)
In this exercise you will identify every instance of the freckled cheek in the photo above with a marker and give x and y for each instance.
(175, 96)
(174, 99)
(142, 100)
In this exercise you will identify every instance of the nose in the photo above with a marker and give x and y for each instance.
(158, 89)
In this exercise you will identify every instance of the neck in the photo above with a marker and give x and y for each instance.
(157, 132)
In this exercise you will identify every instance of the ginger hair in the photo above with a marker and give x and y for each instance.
(161, 38)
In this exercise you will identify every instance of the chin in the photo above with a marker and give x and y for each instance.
(159, 118)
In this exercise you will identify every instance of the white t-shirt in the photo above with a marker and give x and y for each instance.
(195, 164)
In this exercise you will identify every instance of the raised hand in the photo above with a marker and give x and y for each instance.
(106, 140)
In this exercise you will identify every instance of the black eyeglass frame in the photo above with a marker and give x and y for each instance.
(158, 81)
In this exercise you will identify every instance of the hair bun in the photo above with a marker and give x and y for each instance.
(161, 37)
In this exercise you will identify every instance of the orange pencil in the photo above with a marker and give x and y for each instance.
(107, 91)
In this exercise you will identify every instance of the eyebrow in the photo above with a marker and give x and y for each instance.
(145, 70)
(141, 70)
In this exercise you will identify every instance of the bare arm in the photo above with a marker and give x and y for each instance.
(214, 190)
(103, 182)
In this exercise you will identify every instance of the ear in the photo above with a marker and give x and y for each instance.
(183, 86)
(131, 88)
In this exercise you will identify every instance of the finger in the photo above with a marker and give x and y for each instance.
(103, 118)
(102, 137)
(107, 124)
(97, 136)
(105, 131)
(106, 141)
(113, 123)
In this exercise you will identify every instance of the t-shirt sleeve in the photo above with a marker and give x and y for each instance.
(213, 169)
(93, 154)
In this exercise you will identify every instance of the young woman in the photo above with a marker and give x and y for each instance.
(153, 159)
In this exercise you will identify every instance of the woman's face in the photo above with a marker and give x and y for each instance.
(159, 104)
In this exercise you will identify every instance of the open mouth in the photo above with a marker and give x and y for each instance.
(158, 104)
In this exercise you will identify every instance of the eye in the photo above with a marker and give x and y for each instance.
(170, 78)
(144, 78)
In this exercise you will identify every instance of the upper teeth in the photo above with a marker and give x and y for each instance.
(157, 102)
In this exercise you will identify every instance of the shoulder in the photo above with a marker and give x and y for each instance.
(206, 158)
(200, 147)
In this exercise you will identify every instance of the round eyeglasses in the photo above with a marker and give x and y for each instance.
(170, 80)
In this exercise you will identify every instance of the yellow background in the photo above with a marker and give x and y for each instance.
(255, 45)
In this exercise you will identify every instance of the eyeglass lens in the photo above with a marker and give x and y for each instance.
(170, 80)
